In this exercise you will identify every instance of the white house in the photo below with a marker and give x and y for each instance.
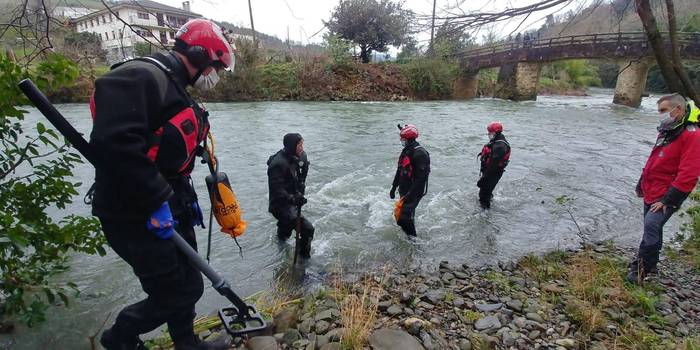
(151, 20)
(71, 12)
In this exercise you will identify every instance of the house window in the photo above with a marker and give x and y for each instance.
(106, 36)
(142, 15)
(120, 33)
(113, 35)
(103, 19)
(110, 18)
(92, 24)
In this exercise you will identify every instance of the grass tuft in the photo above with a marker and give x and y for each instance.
(499, 281)
(357, 312)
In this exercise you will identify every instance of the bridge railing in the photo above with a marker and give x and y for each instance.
(600, 38)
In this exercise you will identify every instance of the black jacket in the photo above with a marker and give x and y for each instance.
(412, 178)
(131, 103)
(497, 158)
(286, 176)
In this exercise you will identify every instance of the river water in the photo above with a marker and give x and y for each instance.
(582, 147)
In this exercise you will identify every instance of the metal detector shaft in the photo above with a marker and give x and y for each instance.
(77, 140)
(218, 282)
(57, 120)
(298, 235)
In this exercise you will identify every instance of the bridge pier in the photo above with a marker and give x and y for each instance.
(631, 81)
(518, 81)
(467, 85)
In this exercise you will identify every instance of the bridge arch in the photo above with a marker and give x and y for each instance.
(520, 62)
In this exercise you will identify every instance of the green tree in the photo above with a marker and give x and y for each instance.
(431, 78)
(408, 50)
(692, 24)
(577, 72)
(35, 175)
(142, 49)
(450, 40)
(338, 49)
(371, 24)
(84, 41)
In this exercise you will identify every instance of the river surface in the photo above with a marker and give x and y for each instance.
(582, 147)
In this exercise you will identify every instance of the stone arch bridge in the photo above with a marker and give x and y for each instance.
(520, 62)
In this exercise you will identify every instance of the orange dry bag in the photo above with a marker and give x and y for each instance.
(397, 209)
(226, 208)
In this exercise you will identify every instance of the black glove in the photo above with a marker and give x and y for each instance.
(299, 200)
(481, 182)
(392, 193)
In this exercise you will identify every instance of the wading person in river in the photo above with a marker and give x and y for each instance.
(411, 178)
(670, 174)
(286, 175)
(147, 130)
(494, 158)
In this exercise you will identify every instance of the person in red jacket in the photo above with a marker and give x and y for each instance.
(670, 174)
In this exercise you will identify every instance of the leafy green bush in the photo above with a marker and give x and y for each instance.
(431, 78)
(689, 237)
(574, 73)
(279, 81)
(655, 81)
(144, 49)
(692, 24)
(338, 49)
(554, 85)
(35, 175)
(487, 81)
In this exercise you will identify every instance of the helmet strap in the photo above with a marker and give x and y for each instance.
(196, 76)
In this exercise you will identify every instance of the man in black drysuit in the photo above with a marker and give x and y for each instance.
(146, 133)
(411, 177)
(494, 158)
(286, 175)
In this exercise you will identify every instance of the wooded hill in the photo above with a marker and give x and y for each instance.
(614, 16)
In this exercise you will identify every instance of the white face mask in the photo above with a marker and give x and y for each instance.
(491, 136)
(207, 82)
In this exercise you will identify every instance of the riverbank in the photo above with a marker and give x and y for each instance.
(574, 299)
(417, 80)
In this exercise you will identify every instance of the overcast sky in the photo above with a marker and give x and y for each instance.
(304, 17)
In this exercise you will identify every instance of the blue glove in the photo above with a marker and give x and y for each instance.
(161, 222)
(198, 219)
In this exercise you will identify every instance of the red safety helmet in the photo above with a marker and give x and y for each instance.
(204, 44)
(409, 132)
(494, 127)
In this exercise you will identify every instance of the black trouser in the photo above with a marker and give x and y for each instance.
(407, 215)
(172, 283)
(486, 185)
(287, 222)
(653, 238)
